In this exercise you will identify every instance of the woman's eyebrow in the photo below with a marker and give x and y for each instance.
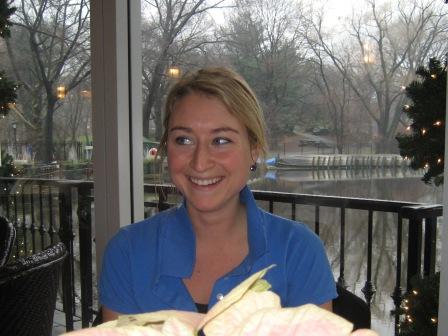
(181, 128)
(225, 129)
(216, 130)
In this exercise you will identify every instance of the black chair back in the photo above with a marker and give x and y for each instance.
(28, 290)
(352, 308)
(7, 239)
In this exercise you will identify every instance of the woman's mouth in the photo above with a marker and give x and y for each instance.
(205, 182)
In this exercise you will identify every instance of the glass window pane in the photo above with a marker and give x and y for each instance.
(47, 132)
(332, 79)
(46, 139)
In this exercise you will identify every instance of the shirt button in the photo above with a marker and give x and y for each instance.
(219, 297)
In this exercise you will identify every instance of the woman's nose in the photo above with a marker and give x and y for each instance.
(201, 158)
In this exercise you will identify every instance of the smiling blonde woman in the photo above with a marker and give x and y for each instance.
(189, 257)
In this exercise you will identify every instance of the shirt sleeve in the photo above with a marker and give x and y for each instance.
(115, 285)
(310, 279)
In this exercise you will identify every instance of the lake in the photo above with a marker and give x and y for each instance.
(387, 184)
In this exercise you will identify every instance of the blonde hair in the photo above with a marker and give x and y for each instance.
(232, 90)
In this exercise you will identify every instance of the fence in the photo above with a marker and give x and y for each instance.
(45, 211)
(63, 151)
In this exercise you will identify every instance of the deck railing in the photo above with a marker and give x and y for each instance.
(47, 211)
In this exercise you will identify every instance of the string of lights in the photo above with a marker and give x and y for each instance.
(420, 307)
(422, 143)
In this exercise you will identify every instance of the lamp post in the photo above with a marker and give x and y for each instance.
(174, 72)
(61, 91)
(14, 128)
(368, 55)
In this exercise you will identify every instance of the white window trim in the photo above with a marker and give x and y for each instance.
(442, 328)
(116, 116)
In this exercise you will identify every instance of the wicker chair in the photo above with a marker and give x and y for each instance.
(7, 239)
(28, 289)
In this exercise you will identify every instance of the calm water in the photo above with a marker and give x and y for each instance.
(400, 185)
(387, 184)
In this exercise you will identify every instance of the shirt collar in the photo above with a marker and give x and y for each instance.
(256, 230)
(177, 244)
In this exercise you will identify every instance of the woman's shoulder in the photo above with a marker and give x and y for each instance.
(147, 227)
(288, 231)
(273, 221)
(139, 238)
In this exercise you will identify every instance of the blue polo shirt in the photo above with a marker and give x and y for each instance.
(144, 263)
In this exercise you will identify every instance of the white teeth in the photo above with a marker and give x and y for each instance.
(205, 182)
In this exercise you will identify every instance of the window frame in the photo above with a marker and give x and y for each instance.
(116, 117)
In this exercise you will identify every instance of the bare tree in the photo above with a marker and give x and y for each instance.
(335, 93)
(175, 28)
(379, 53)
(50, 47)
(263, 44)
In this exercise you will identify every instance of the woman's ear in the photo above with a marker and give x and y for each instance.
(254, 153)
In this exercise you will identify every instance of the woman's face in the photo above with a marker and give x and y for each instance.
(209, 154)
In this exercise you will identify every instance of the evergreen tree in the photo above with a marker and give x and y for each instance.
(5, 12)
(423, 143)
(8, 169)
(7, 87)
(420, 307)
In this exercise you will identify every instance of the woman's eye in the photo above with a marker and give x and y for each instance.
(181, 140)
(221, 141)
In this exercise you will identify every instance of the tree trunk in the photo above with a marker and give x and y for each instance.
(339, 145)
(158, 120)
(48, 146)
(154, 92)
(386, 145)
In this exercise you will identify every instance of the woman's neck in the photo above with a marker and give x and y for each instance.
(225, 224)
